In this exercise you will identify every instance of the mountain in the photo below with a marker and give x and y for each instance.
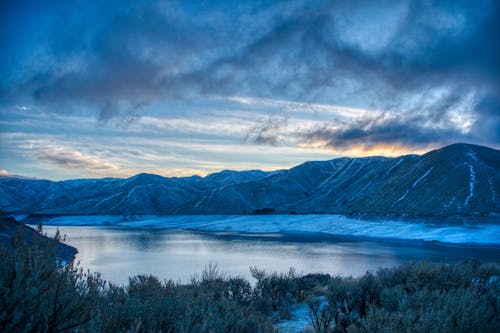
(459, 179)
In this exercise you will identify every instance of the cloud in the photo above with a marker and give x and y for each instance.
(267, 130)
(71, 160)
(408, 131)
(52, 152)
(294, 108)
(357, 54)
(7, 174)
(444, 118)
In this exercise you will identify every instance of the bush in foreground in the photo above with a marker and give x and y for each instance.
(418, 297)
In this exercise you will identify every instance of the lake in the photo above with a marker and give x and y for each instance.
(119, 252)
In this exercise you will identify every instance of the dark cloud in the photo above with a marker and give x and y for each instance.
(73, 160)
(355, 53)
(404, 131)
(487, 124)
(266, 130)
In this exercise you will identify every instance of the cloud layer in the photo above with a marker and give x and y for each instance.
(425, 73)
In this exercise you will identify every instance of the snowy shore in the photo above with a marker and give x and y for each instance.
(488, 234)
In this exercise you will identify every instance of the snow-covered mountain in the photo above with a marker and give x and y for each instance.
(459, 179)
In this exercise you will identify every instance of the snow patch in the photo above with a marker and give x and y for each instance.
(472, 155)
(447, 206)
(403, 196)
(362, 191)
(334, 173)
(199, 202)
(300, 321)
(415, 184)
(420, 162)
(395, 166)
(472, 182)
(109, 198)
(472, 177)
(420, 179)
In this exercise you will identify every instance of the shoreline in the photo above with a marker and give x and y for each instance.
(326, 227)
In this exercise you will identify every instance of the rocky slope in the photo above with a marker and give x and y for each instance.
(459, 179)
(9, 228)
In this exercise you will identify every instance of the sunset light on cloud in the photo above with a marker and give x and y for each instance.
(112, 89)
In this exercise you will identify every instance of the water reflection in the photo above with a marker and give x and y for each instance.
(174, 254)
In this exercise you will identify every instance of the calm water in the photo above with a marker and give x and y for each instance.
(178, 254)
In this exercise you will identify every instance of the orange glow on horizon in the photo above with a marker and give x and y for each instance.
(362, 150)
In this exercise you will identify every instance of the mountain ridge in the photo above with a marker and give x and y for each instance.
(459, 179)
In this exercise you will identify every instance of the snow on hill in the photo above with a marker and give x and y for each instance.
(459, 179)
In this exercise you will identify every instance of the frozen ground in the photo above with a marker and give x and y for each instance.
(325, 224)
(299, 322)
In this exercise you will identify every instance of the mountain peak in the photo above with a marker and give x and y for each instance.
(146, 176)
(464, 147)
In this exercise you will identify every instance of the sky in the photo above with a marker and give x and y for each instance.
(94, 89)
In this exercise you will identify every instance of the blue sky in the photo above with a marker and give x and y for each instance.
(115, 88)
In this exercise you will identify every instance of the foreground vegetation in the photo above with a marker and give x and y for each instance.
(38, 293)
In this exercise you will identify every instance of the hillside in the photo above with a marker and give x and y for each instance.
(10, 228)
(459, 179)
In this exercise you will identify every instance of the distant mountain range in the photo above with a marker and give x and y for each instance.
(459, 179)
